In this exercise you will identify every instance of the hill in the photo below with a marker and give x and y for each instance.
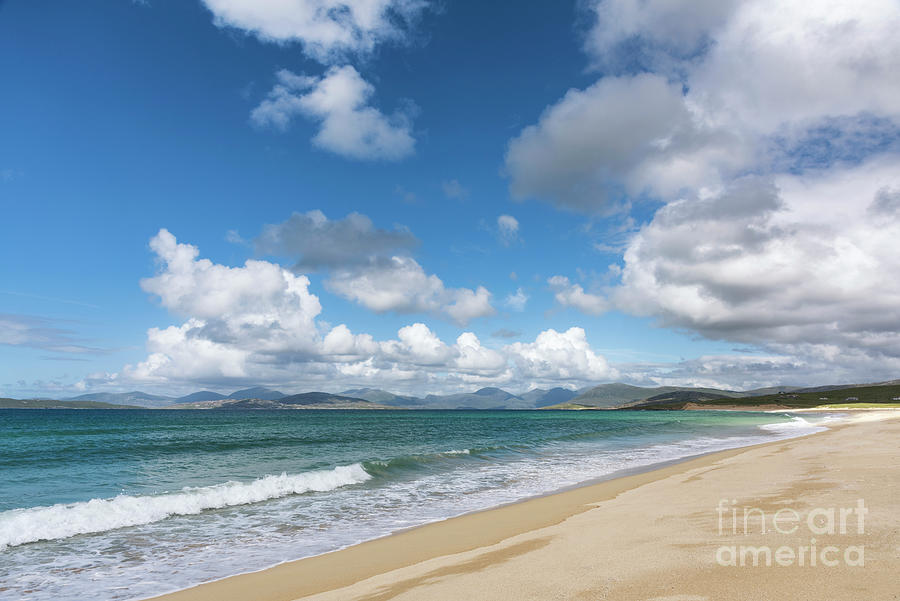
(202, 395)
(307, 400)
(485, 398)
(50, 404)
(383, 397)
(850, 395)
(539, 397)
(612, 396)
(133, 398)
(257, 392)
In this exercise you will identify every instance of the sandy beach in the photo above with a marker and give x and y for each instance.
(819, 515)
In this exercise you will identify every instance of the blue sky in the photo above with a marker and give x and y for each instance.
(609, 133)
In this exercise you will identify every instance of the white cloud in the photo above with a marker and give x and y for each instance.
(418, 345)
(621, 137)
(400, 284)
(339, 102)
(743, 80)
(808, 59)
(340, 342)
(235, 315)
(454, 190)
(517, 300)
(508, 229)
(327, 29)
(655, 34)
(257, 324)
(260, 296)
(473, 358)
(397, 284)
(560, 356)
(469, 304)
(188, 352)
(800, 264)
(794, 259)
(573, 295)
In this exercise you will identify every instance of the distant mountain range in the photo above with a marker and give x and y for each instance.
(485, 398)
(51, 404)
(616, 395)
(198, 397)
(383, 397)
(849, 396)
(257, 392)
(152, 401)
(604, 396)
(136, 398)
(306, 400)
(545, 398)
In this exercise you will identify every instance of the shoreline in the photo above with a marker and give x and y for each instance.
(461, 534)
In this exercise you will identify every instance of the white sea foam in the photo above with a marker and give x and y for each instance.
(20, 526)
(797, 426)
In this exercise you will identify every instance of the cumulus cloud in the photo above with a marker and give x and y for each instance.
(517, 300)
(339, 102)
(259, 293)
(622, 137)
(259, 310)
(259, 323)
(321, 242)
(400, 284)
(768, 130)
(327, 29)
(474, 359)
(794, 262)
(418, 345)
(467, 304)
(689, 131)
(652, 34)
(569, 294)
(560, 356)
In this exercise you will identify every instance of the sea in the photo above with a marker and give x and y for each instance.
(116, 504)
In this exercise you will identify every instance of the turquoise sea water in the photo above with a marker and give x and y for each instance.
(127, 504)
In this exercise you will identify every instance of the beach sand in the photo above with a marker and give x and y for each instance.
(651, 536)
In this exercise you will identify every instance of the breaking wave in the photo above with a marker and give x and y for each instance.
(20, 526)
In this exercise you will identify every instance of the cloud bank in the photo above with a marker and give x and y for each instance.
(769, 132)
(259, 322)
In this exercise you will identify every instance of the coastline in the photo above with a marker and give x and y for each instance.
(520, 530)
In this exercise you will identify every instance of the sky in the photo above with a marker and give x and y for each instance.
(432, 197)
